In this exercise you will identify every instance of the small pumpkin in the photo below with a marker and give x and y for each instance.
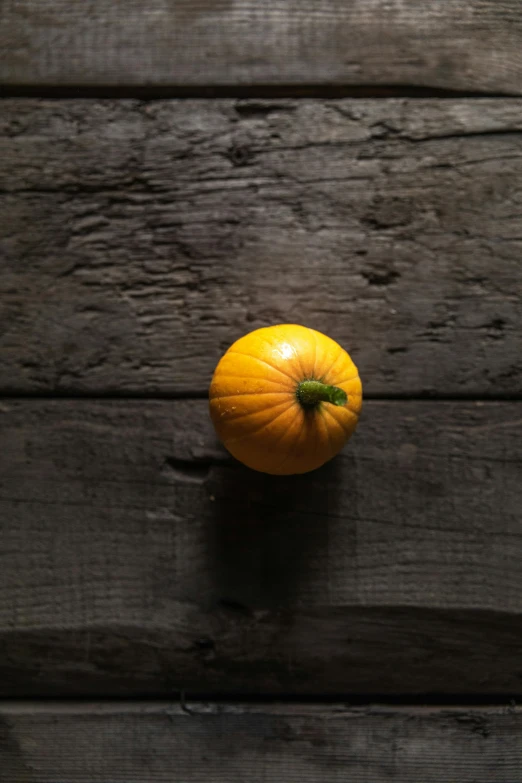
(285, 399)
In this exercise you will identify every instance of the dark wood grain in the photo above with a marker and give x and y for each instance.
(456, 44)
(95, 743)
(137, 557)
(139, 240)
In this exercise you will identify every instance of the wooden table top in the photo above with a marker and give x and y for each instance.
(172, 176)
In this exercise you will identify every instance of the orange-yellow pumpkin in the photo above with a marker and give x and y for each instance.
(285, 399)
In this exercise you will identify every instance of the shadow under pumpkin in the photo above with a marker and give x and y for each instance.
(269, 533)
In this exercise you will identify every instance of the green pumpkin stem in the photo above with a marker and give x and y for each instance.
(310, 393)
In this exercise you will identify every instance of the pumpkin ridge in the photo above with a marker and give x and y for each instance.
(303, 373)
(262, 361)
(348, 380)
(314, 337)
(330, 369)
(247, 394)
(278, 384)
(291, 451)
(328, 436)
(320, 423)
(270, 344)
(257, 429)
(278, 441)
(338, 423)
(233, 419)
(355, 416)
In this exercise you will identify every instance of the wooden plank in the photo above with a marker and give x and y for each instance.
(96, 743)
(138, 558)
(456, 44)
(139, 240)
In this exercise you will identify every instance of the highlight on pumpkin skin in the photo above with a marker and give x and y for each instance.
(285, 399)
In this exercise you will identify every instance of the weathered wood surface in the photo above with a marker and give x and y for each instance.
(137, 557)
(95, 743)
(456, 44)
(138, 240)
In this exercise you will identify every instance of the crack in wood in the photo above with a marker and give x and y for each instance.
(186, 469)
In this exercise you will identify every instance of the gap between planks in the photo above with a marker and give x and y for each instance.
(217, 705)
(203, 702)
(145, 396)
(253, 92)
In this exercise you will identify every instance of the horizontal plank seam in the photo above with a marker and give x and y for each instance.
(479, 701)
(71, 396)
(293, 91)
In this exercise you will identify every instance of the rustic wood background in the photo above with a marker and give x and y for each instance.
(161, 742)
(174, 174)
